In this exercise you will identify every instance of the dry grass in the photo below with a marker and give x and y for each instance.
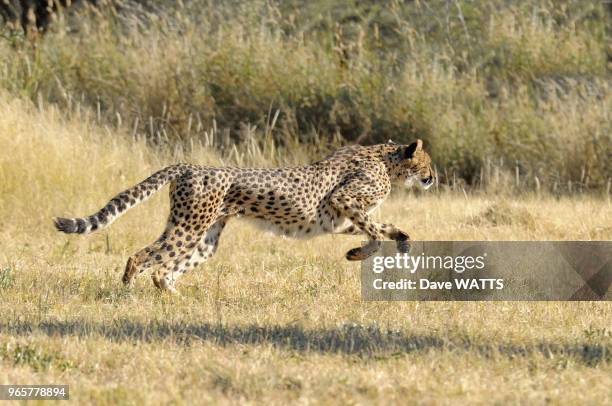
(267, 320)
(514, 85)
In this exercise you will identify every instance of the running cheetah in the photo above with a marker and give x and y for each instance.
(334, 195)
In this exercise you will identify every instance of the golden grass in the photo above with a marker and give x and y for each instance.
(514, 86)
(267, 320)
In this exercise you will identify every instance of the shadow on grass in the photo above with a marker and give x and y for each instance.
(365, 341)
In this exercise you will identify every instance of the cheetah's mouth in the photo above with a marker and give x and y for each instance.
(426, 183)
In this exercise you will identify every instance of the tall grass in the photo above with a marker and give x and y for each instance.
(52, 160)
(520, 89)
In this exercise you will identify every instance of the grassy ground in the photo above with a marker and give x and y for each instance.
(267, 319)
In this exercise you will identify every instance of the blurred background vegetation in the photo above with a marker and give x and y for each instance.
(499, 89)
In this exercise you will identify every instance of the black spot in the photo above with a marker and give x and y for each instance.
(102, 216)
(81, 225)
(94, 223)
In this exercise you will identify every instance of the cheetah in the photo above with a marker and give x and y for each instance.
(334, 195)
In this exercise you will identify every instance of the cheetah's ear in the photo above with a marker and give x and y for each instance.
(413, 148)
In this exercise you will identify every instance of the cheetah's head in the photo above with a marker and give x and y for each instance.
(415, 165)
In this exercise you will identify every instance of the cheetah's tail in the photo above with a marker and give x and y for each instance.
(120, 203)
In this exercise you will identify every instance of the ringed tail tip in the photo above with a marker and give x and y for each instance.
(65, 225)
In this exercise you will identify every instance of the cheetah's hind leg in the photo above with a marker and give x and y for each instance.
(130, 272)
(166, 277)
(168, 246)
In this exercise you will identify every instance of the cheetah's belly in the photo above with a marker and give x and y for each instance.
(304, 227)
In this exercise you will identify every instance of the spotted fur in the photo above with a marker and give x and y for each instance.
(334, 195)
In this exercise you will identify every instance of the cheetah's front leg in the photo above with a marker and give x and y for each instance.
(401, 238)
(349, 207)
